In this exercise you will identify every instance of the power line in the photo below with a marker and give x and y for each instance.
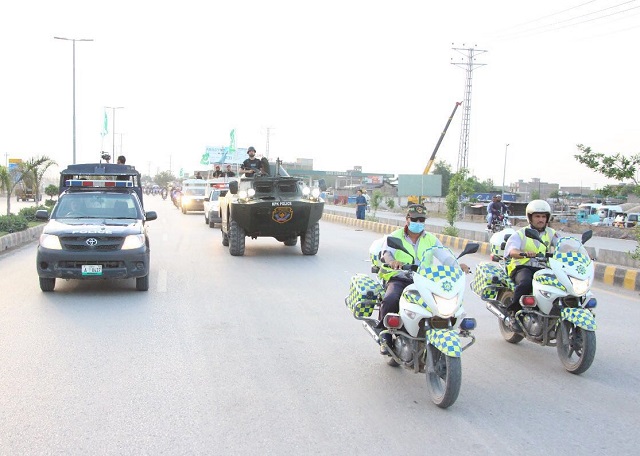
(558, 24)
(553, 14)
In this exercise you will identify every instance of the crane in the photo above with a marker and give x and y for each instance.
(433, 154)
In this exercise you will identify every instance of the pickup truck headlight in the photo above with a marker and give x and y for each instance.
(133, 241)
(50, 241)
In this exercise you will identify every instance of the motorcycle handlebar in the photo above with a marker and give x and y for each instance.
(538, 255)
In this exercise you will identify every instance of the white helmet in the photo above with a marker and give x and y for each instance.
(539, 207)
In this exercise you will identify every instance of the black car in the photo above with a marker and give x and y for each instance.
(96, 231)
(278, 206)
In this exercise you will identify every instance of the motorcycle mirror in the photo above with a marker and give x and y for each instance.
(586, 236)
(533, 234)
(471, 247)
(396, 243)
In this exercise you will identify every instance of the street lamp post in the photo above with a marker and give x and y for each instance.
(74, 86)
(113, 133)
(504, 171)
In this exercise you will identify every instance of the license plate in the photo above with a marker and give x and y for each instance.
(91, 269)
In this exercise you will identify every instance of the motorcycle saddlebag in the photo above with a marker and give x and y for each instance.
(364, 295)
(487, 278)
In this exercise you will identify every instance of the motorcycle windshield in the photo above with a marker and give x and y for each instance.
(570, 250)
(438, 263)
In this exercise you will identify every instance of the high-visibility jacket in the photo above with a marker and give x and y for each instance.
(425, 242)
(530, 245)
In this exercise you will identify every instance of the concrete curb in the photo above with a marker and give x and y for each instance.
(12, 240)
(611, 275)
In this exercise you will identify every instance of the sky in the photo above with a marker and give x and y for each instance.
(344, 82)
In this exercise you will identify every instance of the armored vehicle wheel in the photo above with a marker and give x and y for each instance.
(47, 284)
(212, 224)
(206, 219)
(142, 283)
(291, 242)
(236, 239)
(311, 240)
(225, 239)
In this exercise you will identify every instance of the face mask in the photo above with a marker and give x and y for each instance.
(416, 227)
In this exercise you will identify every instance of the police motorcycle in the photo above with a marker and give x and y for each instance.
(559, 312)
(427, 330)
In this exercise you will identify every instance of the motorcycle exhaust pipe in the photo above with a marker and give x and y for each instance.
(371, 332)
(497, 312)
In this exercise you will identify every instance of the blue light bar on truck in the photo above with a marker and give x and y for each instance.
(98, 183)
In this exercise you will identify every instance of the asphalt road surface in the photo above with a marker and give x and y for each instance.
(258, 354)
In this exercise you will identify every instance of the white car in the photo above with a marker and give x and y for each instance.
(212, 207)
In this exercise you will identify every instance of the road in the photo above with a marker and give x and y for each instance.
(258, 354)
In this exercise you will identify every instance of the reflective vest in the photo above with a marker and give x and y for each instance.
(425, 242)
(529, 245)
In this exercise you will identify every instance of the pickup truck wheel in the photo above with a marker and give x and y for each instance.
(206, 219)
(311, 240)
(47, 283)
(291, 242)
(142, 283)
(236, 239)
(212, 224)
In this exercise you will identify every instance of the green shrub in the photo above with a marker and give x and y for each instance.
(13, 223)
(450, 230)
(50, 203)
(29, 213)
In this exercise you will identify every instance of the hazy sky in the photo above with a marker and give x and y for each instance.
(343, 82)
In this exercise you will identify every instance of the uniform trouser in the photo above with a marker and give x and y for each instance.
(523, 278)
(391, 300)
(360, 212)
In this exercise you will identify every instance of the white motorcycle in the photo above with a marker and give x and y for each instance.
(427, 330)
(559, 312)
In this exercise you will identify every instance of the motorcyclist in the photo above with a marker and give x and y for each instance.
(415, 239)
(522, 267)
(495, 210)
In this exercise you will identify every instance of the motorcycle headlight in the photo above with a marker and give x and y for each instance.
(579, 286)
(133, 241)
(446, 307)
(50, 241)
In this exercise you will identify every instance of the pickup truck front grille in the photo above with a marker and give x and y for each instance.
(83, 243)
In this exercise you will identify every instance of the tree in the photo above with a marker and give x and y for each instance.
(164, 178)
(460, 185)
(615, 166)
(376, 200)
(9, 179)
(443, 169)
(51, 191)
(34, 170)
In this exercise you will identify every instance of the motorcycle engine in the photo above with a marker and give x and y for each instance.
(404, 349)
(533, 325)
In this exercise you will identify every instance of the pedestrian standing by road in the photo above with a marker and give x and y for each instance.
(361, 205)
(229, 172)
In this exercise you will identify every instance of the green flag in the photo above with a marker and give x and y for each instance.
(232, 145)
(105, 126)
(205, 158)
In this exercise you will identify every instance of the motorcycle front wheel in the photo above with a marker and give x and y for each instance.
(576, 347)
(444, 377)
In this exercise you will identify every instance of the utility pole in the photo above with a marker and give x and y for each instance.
(468, 63)
(74, 86)
(266, 149)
